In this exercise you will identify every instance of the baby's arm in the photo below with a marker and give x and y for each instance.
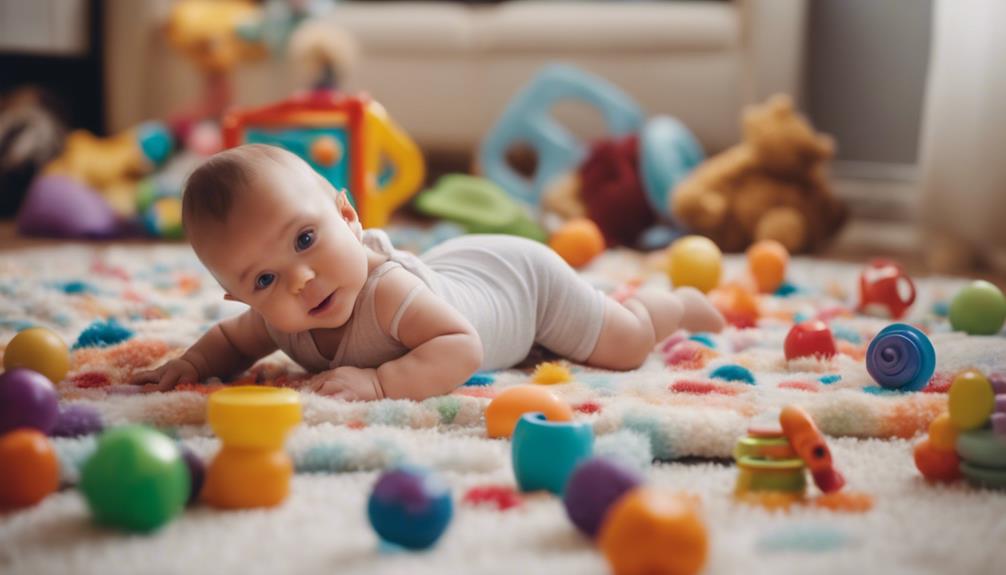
(444, 348)
(230, 347)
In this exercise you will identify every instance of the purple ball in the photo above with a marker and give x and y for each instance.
(593, 487)
(197, 472)
(77, 419)
(27, 399)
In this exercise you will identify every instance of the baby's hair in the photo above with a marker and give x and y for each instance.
(211, 189)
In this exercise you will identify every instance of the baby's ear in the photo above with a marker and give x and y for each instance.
(348, 212)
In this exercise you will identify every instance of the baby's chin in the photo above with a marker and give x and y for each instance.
(334, 319)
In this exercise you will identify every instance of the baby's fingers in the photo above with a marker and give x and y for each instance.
(168, 380)
(143, 377)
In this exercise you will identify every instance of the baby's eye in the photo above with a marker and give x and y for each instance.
(305, 239)
(265, 280)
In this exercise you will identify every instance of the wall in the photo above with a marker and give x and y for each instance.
(865, 80)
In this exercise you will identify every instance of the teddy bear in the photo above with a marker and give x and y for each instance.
(773, 185)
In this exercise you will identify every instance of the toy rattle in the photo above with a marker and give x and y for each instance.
(251, 469)
(885, 289)
(809, 444)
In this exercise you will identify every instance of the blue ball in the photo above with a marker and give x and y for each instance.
(410, 506)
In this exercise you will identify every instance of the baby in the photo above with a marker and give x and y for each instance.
(375, 322)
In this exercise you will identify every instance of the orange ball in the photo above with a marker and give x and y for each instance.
(30, 470)
(651, 530)
(767, 261)
(326, 151)
(737, 304)
(943, 433)
(578, 241)
(508, 407)
(936, 465)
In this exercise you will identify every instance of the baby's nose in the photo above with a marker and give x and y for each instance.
(300, 279)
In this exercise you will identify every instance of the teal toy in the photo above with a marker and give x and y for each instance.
(668, 152)
(984, 477)
(527, 120)
(982, 448)
(978, 309)
(546, 452)
(136, 479)
(478, 205)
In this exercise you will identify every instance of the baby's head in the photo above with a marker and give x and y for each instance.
(277, 236)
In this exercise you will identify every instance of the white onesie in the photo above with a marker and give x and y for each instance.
(515, 292)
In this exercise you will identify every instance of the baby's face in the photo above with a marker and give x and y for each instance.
(287, 250)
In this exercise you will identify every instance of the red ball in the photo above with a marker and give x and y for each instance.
(885, 289)
(936, 465)
(808, 339)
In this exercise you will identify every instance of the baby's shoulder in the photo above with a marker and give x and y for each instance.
(391, 292)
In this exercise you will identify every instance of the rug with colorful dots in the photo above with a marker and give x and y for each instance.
(129, 308)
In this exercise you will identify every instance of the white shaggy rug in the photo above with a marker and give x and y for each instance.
(166, 299)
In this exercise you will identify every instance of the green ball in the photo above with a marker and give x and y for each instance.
(136, 480)
(978, 309)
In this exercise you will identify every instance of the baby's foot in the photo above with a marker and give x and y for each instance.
(664, 308)
(699, 314)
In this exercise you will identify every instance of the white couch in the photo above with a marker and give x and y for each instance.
(445, 71)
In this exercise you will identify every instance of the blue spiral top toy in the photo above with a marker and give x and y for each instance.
(901, 357)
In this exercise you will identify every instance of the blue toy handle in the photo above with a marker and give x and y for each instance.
(527, 119)
(668, 153)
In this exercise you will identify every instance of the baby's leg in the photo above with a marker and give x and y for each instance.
(577, 321)
(631, 329)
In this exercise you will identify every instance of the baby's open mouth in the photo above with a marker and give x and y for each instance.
(324, 305)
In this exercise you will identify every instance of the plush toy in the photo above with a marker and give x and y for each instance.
(612, 190)
(113, 166)
(773, 185)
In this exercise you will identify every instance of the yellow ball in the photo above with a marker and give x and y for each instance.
(41, 350)
(971, 399)
(694, 261)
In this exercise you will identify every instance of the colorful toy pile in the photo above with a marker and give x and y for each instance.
(29, 411)
(137, 478)
(970, 439)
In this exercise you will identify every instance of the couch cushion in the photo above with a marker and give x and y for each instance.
(585, 27)
(407, 27)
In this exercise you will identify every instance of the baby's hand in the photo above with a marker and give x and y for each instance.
(349, 383)
(167, 376)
